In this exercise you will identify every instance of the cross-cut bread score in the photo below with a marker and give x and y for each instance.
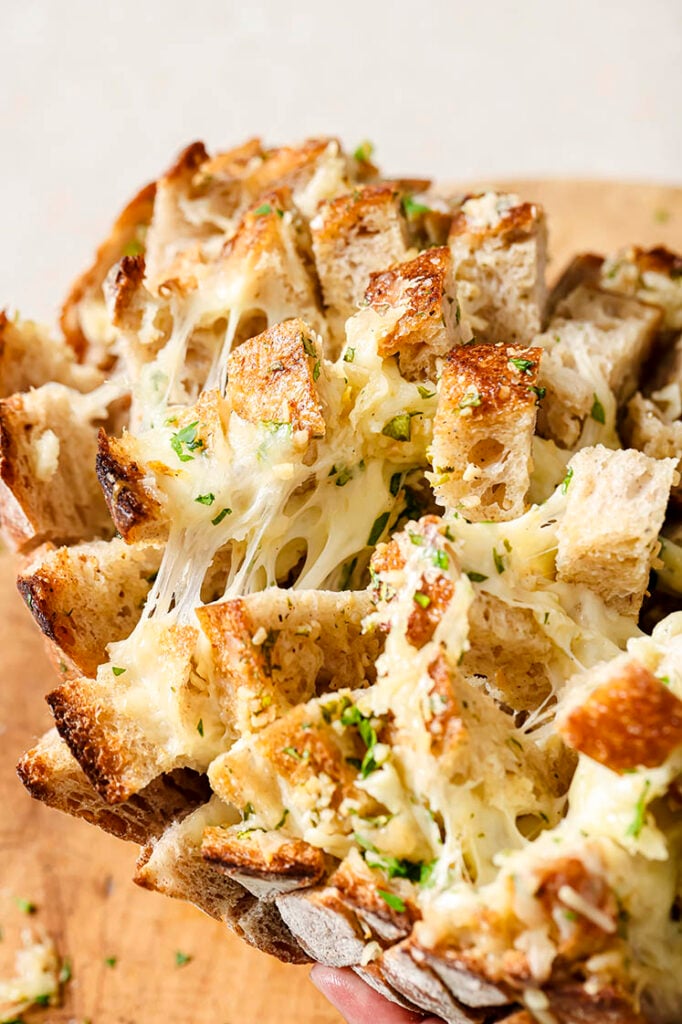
(343, 532)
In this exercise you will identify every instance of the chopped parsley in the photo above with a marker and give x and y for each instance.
(221, 515)
(342, 473)
(296, 754)
(263, 210)
(597, 411)
(26, 906)
(378, 527)
(498, 560)
(413, 207)
(185, 441)
(567, 480)
(539, 392)
(352, 716)
(395, 484)
(470, 399)
(205, 499)
(285, 815)
(200, 727)
(111, 961)
(247, 810)
(393, 901)
(133, 248)
(181, 958)
(42, 1000)
(399, 428)
(349, 355)
(424, 392)
(523, 365)
(316, 370)
(363, 152)
(423, 600)
(65, 971)
(475, 577)
(440, 559)
(637, 824)
(309, 346)
(117, 671)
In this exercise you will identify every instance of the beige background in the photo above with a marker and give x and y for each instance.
(96, 97)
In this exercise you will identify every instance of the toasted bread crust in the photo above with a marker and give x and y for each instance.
(134, 510)
(630, 721)
(271, 378)
(53, 776)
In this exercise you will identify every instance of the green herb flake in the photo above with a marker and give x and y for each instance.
(423, 600)
(393, 901)
(665, 680)
(475, 577)
(523, 365)
(399, 428)
(363, 152)
(378, 527)
(205, 499)
(200, 727)
(181, 958)
(316, 371)
(570, 915)
(394, 486)
(424, 392)
(637, 824)
(470, 400)
(309, 347)
(440, 559)
(349, 355)
(296, 754)
(263, 210)
(117, 671)
(111, 961)
(661, 216)
(565, 483)
(133, 248)
(285, 815)
(65, 971)
(221, 515)
(26, 906)
(538, 391)
(498, 560)
(413, 208)
(42, 1000)
(247, 810)
(185, 441)
(597, 411)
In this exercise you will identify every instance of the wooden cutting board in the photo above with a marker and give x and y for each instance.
(79, 878)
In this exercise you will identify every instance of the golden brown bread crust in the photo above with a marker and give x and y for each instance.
(515, 225)
(125, 231)
(53, 776)
(292, 860)
(98, 751)
(481, 380)
(135, 511)
(87, 596)
(630, 721)
(355, 211)
(271, 378)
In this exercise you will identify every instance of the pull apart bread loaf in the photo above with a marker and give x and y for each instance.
(340, 528)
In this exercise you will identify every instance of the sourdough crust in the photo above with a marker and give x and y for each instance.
(87, 596)
(124, 231)
(52, 775)
(136, 512)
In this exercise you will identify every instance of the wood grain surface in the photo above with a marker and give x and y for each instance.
(79, 878)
